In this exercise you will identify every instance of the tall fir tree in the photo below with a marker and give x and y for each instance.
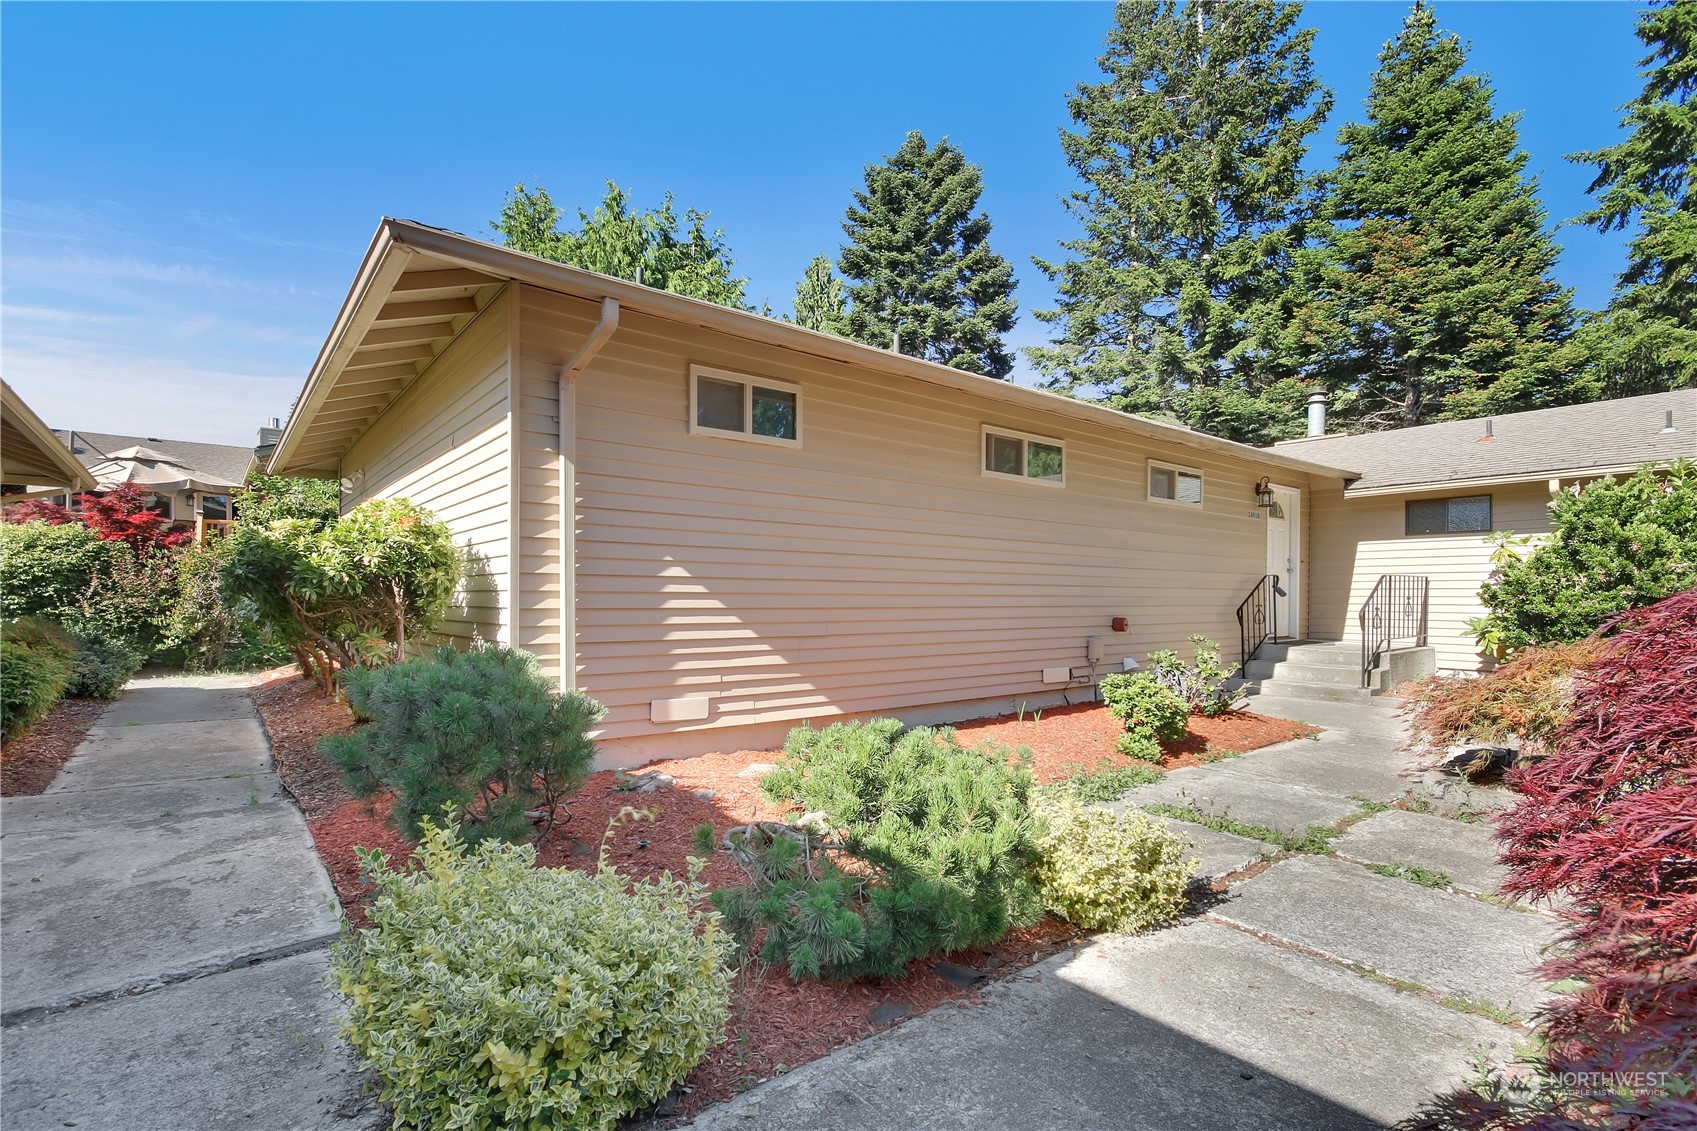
(1180, 297)
(670, 253)
(819, 300)
(919, 264)
(1441, 298)
(1647, 340)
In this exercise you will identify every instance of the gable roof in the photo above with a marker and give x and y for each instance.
(419, 286)
(1608, 437)
(211, 465)
(30, 452)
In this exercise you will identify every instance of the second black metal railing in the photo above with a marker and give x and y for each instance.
(1395, 610)
(1257, 620)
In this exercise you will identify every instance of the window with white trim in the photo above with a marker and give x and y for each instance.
(722, 403)
(1470, 514)
(1018, 455)
(1170, 483)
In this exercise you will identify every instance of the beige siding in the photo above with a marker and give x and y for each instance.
(874, 569)
(444, 445)
(1355, 541)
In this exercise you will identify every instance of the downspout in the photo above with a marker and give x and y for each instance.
(568, 486)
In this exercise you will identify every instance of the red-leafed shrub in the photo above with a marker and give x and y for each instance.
(118, 515)
(1609, 822)
(1529, 697)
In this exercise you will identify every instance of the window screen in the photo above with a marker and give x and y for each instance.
(1175, 485)
(1469, 515)
(1002, 454)
(718, 404)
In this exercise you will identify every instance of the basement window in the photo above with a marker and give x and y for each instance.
(1470, 514)
(722, 403)
(1170, 483)
(1017, 455)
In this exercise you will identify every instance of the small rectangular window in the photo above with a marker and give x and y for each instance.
(1470, 514)
(748, 408)
(1169, 483)
(1019, 456)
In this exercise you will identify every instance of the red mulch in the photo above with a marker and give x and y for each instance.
(30, 762)
(775, 1022)
(1065, 740)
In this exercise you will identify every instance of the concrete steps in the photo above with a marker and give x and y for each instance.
(1328, 671)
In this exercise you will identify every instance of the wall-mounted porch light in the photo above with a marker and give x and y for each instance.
(1265, 500)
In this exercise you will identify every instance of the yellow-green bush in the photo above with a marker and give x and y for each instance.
(37, 663)
(490, 993)
(1109, 872)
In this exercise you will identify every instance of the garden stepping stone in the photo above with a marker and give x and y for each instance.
(1452, 944)
(1467, 853)
(961, 977)
(1215, 791)
(889, 1012)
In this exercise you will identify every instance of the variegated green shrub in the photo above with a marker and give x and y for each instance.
(1109, 871)
(490, 993)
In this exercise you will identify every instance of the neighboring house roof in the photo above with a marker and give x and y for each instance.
(1607, 437)
(172, 465)
(30, 452)
(418, 287)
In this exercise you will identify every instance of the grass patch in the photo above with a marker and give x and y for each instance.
(1480, 1007)
(1413, 873)
(1315, 840)
(1369, 805)
(1109, 783)
(1211, 756)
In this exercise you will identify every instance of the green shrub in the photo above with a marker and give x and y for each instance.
(1109, 872)
(101, 669)
(1139, 700)
(482, 731)
(1139, 744)
(130, 604)
(1202, 685)
(914, 845)
(490, 993)
(1615, 545)
(270, 498)
(205, 632)
(36, 661)
(46, 569)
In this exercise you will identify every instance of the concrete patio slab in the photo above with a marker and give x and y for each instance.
(150, 705)
(1466, 852)
(136, 906)
(153, 752)
(253, 1049)
(1352, 764)
(147, 805)
(1450, 943)
(1376, 717)
(1197, 1026)
(1215, 791)
(1219, 854)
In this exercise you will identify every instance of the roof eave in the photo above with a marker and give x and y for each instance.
(43, 439)
(1428, 487)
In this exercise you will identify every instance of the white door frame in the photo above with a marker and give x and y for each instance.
(1290, 573)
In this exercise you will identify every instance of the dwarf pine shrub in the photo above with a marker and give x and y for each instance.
(481, 732)
(1108, 871)
(1140, 701)
(489, 993)
(916, 845)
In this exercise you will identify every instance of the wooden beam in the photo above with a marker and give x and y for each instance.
(364, 358)
(341, 404)
(442, 280)
(428, 311)
(379, 374)
(407, 335)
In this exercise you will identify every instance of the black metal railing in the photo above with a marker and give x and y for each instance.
(1257, 620)
(1394, 610)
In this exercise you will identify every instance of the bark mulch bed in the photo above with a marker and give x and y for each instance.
(776, 1023)
(30, 762)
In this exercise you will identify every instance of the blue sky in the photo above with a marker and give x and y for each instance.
(185, 190)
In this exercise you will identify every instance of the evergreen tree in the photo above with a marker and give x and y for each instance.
(1179, 298)
(1647, 340)
(1440, 285)
(671, 254)
(919, 262)
(819, 302)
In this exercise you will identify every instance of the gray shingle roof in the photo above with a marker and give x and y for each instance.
(1543, 443)
(226, 463)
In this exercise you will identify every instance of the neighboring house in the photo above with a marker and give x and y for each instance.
(30, 454)
(1429, 497)
(191, 483)
(766, 525)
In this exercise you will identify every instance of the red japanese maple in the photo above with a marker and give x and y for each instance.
(118, 515)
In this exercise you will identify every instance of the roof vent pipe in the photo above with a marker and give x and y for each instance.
(1317, 403)
(1668, 427)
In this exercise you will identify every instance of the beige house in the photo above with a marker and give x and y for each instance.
(1428, 498)
(720, 525)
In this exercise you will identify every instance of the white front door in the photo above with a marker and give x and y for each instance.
(1284, 559)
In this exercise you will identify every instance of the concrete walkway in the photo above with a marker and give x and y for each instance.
(163, 932)
(1318, 994)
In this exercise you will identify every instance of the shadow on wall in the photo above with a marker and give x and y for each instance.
(475, 613)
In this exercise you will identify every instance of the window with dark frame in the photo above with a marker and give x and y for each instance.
(1469, 514)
